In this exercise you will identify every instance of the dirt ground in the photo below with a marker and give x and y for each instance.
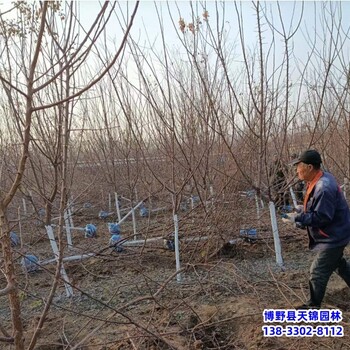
(133, 300)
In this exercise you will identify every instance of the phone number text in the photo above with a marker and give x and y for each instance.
(303, 331)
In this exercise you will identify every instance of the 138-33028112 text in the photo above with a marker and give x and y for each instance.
(303, 331)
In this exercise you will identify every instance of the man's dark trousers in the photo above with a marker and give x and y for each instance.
(325, 263)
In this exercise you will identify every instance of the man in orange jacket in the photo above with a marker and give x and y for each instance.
(326, 216)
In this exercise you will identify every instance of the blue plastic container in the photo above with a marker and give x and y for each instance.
(143, 212)
(30, 263)
(103, 214)
(183, 206)
(287, 208)
(250, 233)
(90, 231)
(14, 239)
(169, 244)
(113, 242)
(114, 229)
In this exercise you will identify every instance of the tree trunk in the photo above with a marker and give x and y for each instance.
(9, 270)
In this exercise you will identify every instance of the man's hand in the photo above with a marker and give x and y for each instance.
(289, 218)
(299, 208)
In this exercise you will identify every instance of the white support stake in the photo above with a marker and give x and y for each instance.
(142, 241)
(130, 212)
(294, 198)
(177, 250)
(158, 209)
(70, 218)
(71, 204)
(192, 202)
(68, 258)
(117, 205)
(24, 207)
(276, 237)
(109, 202)
(257, 206)
(173, 201)
(20, 227)
(53, 243)
(71, 228)
(68, 231)
(195, 239)
(211, 191)
(69, 212)
(262, 204)
(134, 223)
(68, 287)
(32, 200)
(155, 239)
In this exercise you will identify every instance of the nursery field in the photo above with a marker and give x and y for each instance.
(133, 300)
(143, 149)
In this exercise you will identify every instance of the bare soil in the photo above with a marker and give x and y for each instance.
(133, 300)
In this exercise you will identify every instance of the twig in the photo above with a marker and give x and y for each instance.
(137, 300)
(130, 340)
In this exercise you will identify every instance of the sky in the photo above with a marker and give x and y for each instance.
(146, 21)
(147, 31)
(146, 26)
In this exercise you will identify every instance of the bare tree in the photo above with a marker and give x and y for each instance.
(29, 81)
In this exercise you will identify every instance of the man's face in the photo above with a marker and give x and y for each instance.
(304, 171)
